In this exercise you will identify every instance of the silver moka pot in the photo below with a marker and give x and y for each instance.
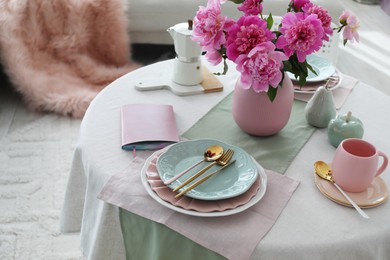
(187, 64)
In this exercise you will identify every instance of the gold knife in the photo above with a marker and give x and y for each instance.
(202, 180)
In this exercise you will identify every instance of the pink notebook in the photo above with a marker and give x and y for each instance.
(148, 126)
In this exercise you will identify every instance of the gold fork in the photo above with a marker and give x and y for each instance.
(224, 161)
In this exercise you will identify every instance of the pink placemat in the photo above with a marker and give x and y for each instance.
(340, 94)
(237, 235)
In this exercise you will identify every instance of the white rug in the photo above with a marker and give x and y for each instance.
(35, 157)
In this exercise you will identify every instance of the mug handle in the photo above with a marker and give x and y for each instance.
(384, 163)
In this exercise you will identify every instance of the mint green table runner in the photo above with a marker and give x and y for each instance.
(274, 152)
(159, 242)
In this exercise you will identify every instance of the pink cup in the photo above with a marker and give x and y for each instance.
(355, 164)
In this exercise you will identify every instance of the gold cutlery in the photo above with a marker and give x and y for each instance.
(224, 159)
(212, 153)
(203, 179)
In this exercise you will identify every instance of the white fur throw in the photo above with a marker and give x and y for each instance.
(60, 53)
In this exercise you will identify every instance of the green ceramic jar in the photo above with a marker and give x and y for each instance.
(343, 127)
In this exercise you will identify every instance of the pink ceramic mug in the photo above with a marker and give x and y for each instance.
(355, 164)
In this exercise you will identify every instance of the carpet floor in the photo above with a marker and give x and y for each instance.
(35, 157)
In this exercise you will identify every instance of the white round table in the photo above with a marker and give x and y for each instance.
(310, 227)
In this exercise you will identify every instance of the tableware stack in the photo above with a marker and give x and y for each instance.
(376, 194)
(356, 169)
(230, 191)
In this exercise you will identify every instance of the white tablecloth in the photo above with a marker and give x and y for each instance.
(310, 227)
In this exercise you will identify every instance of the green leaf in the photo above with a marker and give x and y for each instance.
(270, 21)
(281, 85)
(287, 66)
(299, 69)
(272, 93)
(311, 68)
(237, 1)
(302, 81)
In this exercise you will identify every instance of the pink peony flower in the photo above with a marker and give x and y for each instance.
(298, 4)
(209, 26)
(350, 26)
(244, 35)
(301, 34)
(213, 56)
(251, 7)
(261, 68)
(323, 15)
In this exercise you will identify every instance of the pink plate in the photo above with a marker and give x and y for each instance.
(375, 195)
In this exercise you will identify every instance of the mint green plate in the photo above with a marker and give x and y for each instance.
(232, 181)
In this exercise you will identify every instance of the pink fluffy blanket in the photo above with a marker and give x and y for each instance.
(60, 53)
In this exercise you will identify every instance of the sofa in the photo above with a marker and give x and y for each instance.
(149, 19)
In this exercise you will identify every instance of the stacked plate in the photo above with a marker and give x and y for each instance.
(376, 194)
(233, 190)
(325, 71)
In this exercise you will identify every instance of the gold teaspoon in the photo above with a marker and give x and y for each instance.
(324, 171)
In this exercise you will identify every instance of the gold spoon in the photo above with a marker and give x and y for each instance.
(324, 171)
(212, 153)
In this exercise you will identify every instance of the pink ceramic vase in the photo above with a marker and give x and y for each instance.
(256, 115)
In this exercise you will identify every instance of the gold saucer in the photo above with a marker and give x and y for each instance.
(376, 194)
